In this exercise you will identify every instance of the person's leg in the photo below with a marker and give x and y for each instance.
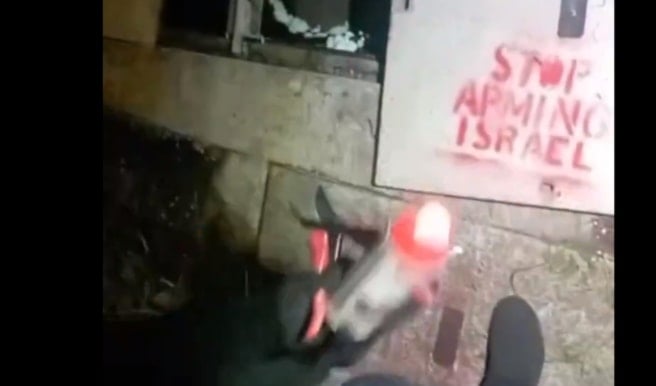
(515, 348)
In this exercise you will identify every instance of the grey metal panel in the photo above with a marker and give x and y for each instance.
(482, 99)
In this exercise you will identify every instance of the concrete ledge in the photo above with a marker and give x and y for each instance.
(298, 118)
(132, 20)
(235, 200)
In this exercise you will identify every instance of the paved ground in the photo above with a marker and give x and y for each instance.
(561, 262)
(569, 282)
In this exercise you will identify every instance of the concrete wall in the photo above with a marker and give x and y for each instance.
(316, 121)
(132, 20)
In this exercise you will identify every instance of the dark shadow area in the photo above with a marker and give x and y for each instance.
(201, 25)
(373, 18)
(155, 222)
(207, 17)
(369, 16)
(155, 232)
(152, 190)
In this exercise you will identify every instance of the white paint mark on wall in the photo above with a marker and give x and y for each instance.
(339, 37)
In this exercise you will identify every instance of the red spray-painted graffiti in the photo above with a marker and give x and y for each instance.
(528, 109)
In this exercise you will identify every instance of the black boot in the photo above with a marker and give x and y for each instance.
(515, 348)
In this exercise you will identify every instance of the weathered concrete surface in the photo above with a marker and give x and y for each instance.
(315, 122)
(318, 122)
(132, 20)
(572, 292)
(325, 62)
(588, 233)
(235, 200)
(571, 289)
(585, 231)
(278, 54)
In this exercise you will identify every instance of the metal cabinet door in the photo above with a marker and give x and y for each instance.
(508, 100)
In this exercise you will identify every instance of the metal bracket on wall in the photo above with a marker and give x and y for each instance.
(245, 21)
(571, 23)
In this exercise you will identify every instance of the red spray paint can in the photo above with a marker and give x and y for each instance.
(403, 269)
